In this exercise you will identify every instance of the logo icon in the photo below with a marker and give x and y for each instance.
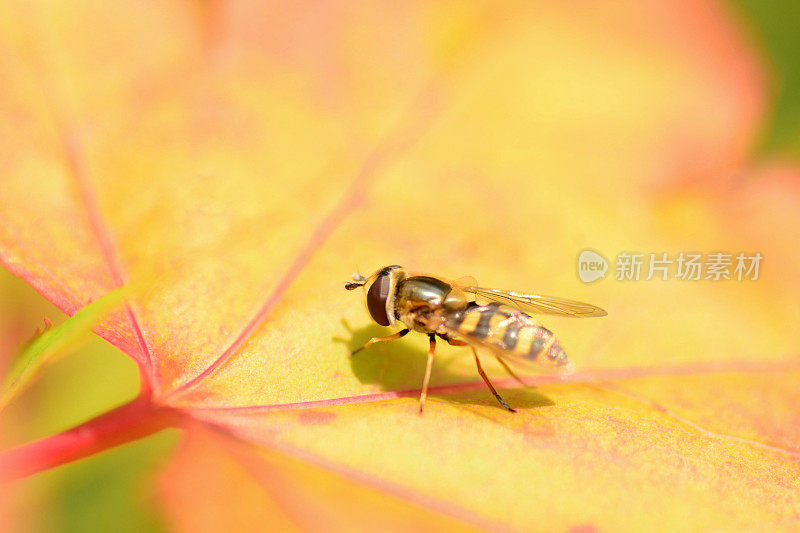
(591, 266)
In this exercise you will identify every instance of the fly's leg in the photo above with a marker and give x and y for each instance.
(427, 378)
(454, 342)
(373, 340)
(489, 383)
(511, 372)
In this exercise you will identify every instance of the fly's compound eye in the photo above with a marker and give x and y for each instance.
(376, 299)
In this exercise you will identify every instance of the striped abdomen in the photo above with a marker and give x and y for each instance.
(510, 331)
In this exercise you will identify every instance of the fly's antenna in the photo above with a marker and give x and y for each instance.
(358, 281)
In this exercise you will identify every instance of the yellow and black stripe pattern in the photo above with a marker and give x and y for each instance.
(509, 331)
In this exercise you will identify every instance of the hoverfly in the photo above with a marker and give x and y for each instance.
(449, 310)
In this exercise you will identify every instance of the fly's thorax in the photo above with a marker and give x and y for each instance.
(423, 302)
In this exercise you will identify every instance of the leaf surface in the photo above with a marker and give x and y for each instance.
(255, 491)
(251, 157)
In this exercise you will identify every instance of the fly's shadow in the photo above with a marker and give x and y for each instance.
(397, 365)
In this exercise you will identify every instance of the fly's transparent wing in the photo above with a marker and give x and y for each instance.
(533, 303)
